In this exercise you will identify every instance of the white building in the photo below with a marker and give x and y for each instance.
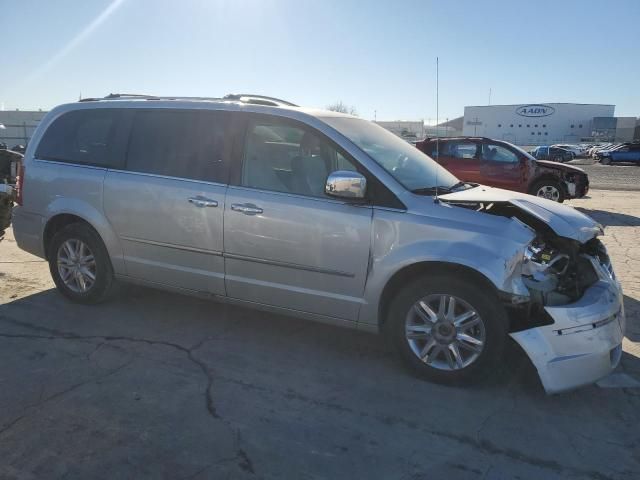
(535, 124)
(19, 126)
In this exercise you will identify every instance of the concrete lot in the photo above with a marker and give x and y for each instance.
(155, 385)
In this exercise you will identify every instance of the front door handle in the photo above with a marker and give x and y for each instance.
(203, 202)
(246, 208)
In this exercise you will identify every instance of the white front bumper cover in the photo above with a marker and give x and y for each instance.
(584, 344)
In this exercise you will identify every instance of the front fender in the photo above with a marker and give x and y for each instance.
(495, 253)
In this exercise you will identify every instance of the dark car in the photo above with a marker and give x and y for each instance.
(555, 154)
(627, 152)
(9, 166)
(19, 148)
(500, 164)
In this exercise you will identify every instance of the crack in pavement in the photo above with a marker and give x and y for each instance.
(244, 463)
(485, 446)
(36, 406)
(62, 335)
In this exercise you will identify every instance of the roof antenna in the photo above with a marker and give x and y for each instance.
(435, 199)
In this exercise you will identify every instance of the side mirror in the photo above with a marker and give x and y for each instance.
(346, 184)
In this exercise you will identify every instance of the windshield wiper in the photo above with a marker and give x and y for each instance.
(441, 188)
(431, 190)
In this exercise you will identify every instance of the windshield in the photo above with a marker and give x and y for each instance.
(408, 165)
(526, 154)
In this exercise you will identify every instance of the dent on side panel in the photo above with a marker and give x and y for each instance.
(451, 235)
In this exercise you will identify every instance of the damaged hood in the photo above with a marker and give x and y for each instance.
(559, 166)
(565, 221)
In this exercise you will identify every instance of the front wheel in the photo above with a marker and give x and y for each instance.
(446, 330)
(79, 264)
(549, 189)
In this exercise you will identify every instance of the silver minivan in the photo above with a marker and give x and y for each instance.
(323, 216)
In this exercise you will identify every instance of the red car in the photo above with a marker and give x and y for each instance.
(500, 164)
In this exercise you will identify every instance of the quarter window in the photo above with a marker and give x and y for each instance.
(288, 158)
(81, 136)
(179, 143)
(459, 150)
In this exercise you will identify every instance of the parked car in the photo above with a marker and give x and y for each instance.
(500, 164)
(19, 148)
(323, 216)
(576, 150)
(629, 152)
(555, 154)
(600, 148)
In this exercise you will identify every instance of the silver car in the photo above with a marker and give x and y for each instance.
(323, 216)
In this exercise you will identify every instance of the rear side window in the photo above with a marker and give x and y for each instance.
(179, 143)
(81, 136)
(461, 149)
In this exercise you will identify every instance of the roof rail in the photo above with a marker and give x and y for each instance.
(241, 97)
(258, 100)
(120, 96)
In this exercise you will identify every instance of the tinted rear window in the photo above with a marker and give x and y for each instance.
(81, 136)
(179, 143)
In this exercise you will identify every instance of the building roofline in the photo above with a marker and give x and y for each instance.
(540, 103)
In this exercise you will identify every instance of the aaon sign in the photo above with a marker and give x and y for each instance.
(535, 110)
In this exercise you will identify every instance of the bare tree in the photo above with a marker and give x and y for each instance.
(341, 107)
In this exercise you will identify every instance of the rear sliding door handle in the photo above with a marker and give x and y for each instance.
(246, 208)
(203, 202)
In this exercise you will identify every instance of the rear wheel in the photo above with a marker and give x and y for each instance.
(549, 189)
(80, 265)
(446, 330)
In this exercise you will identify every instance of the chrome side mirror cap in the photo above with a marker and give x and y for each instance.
(346, 184)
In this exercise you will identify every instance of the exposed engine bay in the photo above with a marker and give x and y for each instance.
(565, 305)
(556, 270)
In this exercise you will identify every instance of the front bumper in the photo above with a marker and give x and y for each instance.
(584, 344)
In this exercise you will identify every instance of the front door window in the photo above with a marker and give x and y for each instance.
(288, 158)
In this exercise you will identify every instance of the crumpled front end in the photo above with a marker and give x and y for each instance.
(564, 301)
(581, 314)
(584, 342)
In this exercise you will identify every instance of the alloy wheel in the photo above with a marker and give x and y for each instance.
(549, 192)
(76, 265)
(445, 332)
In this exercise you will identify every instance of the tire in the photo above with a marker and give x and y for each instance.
(605, 160)
(554, 191)
(429, 289)
(61, 261)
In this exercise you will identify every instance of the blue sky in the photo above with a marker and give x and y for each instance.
(374, 55)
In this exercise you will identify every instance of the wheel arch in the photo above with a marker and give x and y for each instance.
(548, 176)
(410, 272)
(64, 212)
(57, 223)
